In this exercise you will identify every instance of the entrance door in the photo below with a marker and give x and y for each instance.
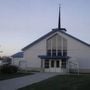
(55, 66)
(58, 66)
(52, 65)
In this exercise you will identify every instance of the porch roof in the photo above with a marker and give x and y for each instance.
(53, 57)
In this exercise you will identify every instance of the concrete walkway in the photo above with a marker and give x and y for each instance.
(14, 84)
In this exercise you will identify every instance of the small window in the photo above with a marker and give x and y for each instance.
(52, 63)
(49, 52)
(57, 63)
(64, 52)
(53, 52)
(59, 53)
(46, 63)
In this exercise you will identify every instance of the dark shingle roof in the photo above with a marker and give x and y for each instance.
(51, 32)
(18, 55)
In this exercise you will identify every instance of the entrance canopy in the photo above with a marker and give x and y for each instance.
(54, 57)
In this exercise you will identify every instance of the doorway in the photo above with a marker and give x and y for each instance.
(52, 65)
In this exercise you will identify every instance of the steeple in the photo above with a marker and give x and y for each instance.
(59, 22)
(59, 19)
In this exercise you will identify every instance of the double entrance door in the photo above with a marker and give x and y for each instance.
(52, 65)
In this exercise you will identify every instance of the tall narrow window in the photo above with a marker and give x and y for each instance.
(59, 45)
(64, 47)
(54, 42)
(54, 45)
(49, 47)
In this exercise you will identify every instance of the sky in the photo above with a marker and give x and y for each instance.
(24, 21)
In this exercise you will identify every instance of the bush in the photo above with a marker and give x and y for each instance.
(8, 69)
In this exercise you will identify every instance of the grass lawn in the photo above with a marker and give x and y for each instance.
(9, 76)
(62, 82)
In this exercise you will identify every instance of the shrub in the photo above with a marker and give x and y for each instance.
(8, 69)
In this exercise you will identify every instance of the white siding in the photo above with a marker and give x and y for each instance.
(78, 52)
(31, 54)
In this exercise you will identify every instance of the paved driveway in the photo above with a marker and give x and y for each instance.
(14, 84)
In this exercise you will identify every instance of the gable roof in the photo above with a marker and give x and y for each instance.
(51, 32)
(18, 55)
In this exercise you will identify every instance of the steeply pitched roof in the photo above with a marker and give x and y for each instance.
(53, 31)
(18, 55)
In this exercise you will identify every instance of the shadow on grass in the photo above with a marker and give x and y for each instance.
(15, 75)
(62, 82)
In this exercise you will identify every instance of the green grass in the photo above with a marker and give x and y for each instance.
(62, 82)
(15, 75)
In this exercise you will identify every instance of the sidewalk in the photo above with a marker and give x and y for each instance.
(14, 84)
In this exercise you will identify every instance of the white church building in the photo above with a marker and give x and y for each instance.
(57, 51)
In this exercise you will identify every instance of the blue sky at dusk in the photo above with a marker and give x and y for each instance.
(24, 21)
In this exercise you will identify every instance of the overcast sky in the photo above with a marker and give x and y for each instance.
(24, 21)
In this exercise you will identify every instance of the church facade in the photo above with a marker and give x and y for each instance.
(57, 51)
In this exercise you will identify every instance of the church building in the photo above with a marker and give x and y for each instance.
(58, 51)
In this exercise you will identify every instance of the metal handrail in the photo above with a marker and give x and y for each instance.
(76, 66)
